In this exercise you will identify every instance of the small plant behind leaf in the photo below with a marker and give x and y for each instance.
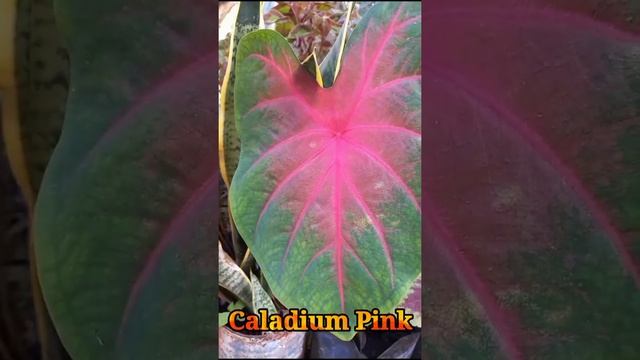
(311, 26)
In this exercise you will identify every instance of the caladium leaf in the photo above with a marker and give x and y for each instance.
(327, 189)
(531, 158)
(125, 218)
(413, 302)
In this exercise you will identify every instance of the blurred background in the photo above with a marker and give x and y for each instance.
(34, 83)
(33, 88)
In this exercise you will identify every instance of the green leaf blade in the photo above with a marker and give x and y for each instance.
(328, 215)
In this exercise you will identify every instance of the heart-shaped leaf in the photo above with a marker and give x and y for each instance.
(125, 219)
(327, 189)
(531, 157)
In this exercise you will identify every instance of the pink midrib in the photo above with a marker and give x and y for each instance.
(280, 186)
(339, 240)
(338, 244)
(315, 116)
(342, 145)
(377, 225)
(300, 217)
